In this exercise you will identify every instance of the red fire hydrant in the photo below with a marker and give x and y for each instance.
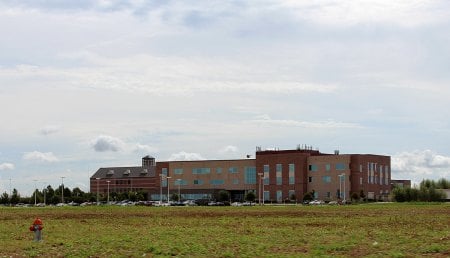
(37, 228)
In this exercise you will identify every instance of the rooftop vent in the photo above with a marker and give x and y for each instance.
(110, 172)
(126, 172)
(144, 171)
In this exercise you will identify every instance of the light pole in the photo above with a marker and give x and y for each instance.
(263, 178)
(44, 191)
(259, 188)
(168, 177)
(98, 180)
(160, 188)
(107, 200)
(179, 183)
(35, 190)
(62, 189)
(341, 178)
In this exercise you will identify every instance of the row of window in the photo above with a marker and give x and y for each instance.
(203, 171)
(337, 166)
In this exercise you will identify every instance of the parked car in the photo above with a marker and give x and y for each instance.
(316, 202)
(236, 204)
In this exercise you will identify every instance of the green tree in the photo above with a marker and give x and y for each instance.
(250, 196)
(307, 197)
(362, 195)
(355, 196)
(224, 196)
(15, 196)
(4, 199)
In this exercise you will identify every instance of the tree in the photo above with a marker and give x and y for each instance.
(355, 196)
(174, 197)
(250, 196)
(4, 199)
(224, 196)
(307, 197)
(15, 197)
(361, 194)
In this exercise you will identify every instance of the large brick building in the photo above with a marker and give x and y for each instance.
(274, 175)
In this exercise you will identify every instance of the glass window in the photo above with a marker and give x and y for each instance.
(291, 180)
(312, 167)
(217, 182)
(279, 181)
(327, 167)
(250, 175)
(178, 171)
(218, 170)
(266, 179)
(235, 181)
(310, 179)
(360, 180)
(266, 168)
(163, 178)
(279, 196)
(279, 167)
(361, 168)
(233, 170)
(181, 182)
(326, 179)
(341, 166)
(266, 195)
(291, 168)
(201, 171)
(328, 194)
(198, 182)
(292, 195)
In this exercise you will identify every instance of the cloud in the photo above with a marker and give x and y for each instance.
(44, 157)
(418, 165)
(184, 156)
(50, 129)
(7, 166)
(105, 143)
(145, 148)
(265, 119)
(228, 149)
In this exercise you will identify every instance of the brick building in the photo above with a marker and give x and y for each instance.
(274, 175)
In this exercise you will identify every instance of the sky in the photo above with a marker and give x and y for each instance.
(90, 84)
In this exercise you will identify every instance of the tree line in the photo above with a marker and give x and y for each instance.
(49, 195)
(428, 191)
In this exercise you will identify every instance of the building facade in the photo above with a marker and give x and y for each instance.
(273, 175)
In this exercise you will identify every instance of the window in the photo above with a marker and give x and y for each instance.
(361, 168)
(360, 180)
(291, 180)
(250, 175)
(291, 174)
(178, 171)
(291, 168)
(217, 182)
(310, 179)
(218, 170)
(201, 171)
(266, 195)
(279, 167)
(326, 179)
(163, 177)
(181, 182)
(292, 195)
(328, 195)
(266, 174)
(313, 168)
(340, 166)
(279, 181)
(233, 170)
(198, 182)
(279, 196)
(327, 167)
(235, 181)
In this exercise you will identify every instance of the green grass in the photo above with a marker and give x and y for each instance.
(371, 230)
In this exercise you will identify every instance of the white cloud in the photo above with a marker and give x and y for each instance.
(229, 149)
(50, 129)
(105, 143)
(404, 12)
(7, 166)
(265, 119)
(145, 148)
(36, 156)
(418, 165)
(185, 156)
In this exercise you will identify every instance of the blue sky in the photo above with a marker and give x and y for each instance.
(89, 84)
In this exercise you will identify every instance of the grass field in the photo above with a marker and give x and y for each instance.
(373, 230)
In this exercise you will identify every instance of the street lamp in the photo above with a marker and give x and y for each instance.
(259, 188)
(98, 195)
(341, 178)
(160, 188)
(62, 189)
(168, 177)
(35, 190)
(44, 191)
(179, 195)
(107, 200)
